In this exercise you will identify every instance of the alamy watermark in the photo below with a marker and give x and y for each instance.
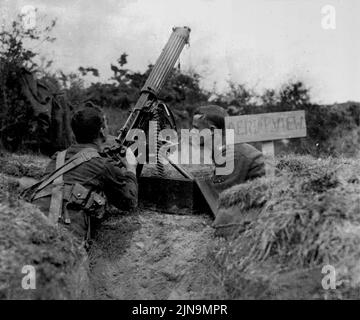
(29, 280)
(28, 17)
(328, 20)
(329, 281)
(187, 148)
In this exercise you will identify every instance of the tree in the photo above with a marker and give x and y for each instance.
(182, 90)
(294, 96)
(270, 98)
(18, 60)
(13, 40)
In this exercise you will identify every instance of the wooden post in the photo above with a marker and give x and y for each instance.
(268, 150)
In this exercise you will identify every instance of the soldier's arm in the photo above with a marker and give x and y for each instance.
(248, 163)
(257, 166)
(120, 187)
(251, 161)
(239, 163)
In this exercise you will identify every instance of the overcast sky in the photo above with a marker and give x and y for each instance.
(262, 43)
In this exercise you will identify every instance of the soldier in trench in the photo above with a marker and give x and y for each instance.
(247, 161)
(79, 184)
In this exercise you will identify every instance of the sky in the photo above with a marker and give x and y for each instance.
(260, 43)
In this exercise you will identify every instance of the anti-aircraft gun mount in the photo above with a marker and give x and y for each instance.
(160, 192)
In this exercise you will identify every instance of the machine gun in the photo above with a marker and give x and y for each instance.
(148, 107)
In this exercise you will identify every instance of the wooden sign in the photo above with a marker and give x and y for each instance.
(267, 127)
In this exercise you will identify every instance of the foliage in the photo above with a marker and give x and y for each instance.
(305, 217)
(28, 238)
(118, 95)
(331, 130)
(23, 165)
(16, 55)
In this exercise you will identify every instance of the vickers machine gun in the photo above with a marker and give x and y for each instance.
(149, 108)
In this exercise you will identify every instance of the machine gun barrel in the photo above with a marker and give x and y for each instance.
(165, 63)
(158, 75)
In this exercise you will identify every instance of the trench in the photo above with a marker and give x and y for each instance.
(150, 255)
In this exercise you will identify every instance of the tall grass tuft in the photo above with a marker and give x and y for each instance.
(307, 216)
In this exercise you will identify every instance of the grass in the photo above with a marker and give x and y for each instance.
(27, 238)
(305, 217)
(20, 165)
(288, 228)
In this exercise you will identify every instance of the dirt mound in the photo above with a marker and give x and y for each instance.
(299, 221)
(153, 256)
(28, 239)
(306, 217)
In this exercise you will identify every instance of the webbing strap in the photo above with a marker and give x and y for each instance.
(57, 191)
(76, 160)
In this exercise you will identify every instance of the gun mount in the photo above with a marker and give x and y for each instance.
(149, 108)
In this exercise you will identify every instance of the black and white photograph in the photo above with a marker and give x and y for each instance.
(189, 151)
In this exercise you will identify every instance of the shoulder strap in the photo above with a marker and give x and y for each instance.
(57, 191)
(79, 158)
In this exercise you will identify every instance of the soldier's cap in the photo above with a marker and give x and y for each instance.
(214, 114)
(87, 122)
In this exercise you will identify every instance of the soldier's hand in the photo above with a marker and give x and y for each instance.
(130, 161)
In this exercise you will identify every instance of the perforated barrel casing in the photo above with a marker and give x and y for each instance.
(166, 62)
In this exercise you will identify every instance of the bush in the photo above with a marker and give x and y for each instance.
(331, 129)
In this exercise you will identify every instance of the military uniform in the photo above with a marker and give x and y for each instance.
(100, 176)
(248, 164)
